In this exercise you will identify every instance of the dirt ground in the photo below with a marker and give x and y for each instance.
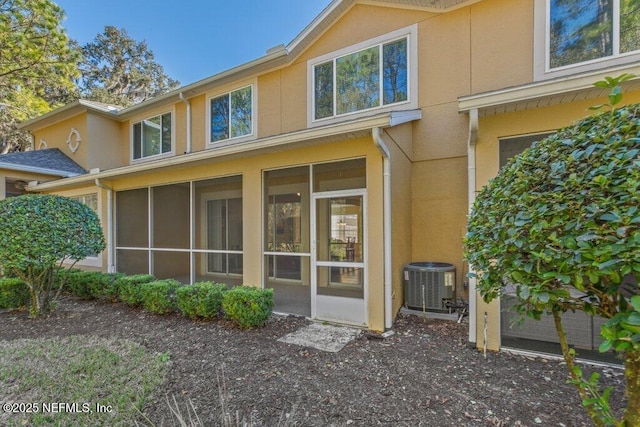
(424, 375)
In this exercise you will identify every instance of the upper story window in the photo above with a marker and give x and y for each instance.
(231, 115)
(152, 136)
(371, 75)
(583, 35)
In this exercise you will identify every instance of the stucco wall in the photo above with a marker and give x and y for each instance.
(57, 134)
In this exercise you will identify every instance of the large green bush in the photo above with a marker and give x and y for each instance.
(202, 299)
(561, 222)
(13, 293)
(247, 306)
(129, 288)
(38, 235)
(160, 296)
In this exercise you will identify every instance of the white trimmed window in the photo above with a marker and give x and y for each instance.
(374, 75)
(231, 115)
(152, 136)
(581, 35)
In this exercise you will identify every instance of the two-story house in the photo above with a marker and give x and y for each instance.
(323, 167)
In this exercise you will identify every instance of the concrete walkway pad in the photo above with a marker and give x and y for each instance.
(322, 337)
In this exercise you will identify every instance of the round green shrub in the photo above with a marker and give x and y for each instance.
(160, 296)
(38, 233)
(561, 222)
(247, 306)
(13, 293)
(203, 299)
(128, 288)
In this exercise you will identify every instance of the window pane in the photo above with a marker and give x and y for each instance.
(217, 225)
(218, 214)
(171, 216)
(132, 218)
(171, 265)
(358, 81)
(151, 136)
(241, 112)
(234, 209)
(132, 262)
(345, 282)
(324, 90)
(220, 118)
(581, 30)
(137, 141)
(629, 25)
(166, 133)
(285, 225)
(287, 215)
(394, 62)
(343, 175)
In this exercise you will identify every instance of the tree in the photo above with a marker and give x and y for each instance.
(561, 222)
(38, 235)
(119, 70)
(38, 64)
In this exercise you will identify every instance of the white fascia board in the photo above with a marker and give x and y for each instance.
(537, 90)
(201, 86)
(34, 169)
(401, 117)
(309, 29)
(381, 121)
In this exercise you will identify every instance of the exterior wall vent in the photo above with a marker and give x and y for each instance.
(429, 285)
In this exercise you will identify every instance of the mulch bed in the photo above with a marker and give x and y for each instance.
(425, 374)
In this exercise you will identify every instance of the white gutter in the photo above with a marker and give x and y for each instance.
(376, 132)
(471, 170)
(111, 268)
(35, 169)
(188, 104)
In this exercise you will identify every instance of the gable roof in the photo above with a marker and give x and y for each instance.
(70, 110)
(276, 57)
(49, 161)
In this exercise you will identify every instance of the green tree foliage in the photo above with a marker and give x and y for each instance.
(38, 64)
(38, 235)
(116, 69)
(561, 223)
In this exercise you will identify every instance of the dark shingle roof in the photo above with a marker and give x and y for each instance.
(51, 161)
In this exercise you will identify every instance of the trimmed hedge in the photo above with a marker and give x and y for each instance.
(203, 299)
(13, 293)
(129, 288)
(247, 306)
(160, 296)
(93, 284)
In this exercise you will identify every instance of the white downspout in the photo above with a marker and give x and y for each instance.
(111, 268)
(188, 104)
(471, 170)
(386, 213)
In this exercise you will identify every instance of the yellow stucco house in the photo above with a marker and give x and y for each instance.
(324, 167)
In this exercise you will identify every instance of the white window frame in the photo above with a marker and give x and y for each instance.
(204, 199)
(134, 122)
(254, 115)
(542, 29)
(410, 33)
(90, 261)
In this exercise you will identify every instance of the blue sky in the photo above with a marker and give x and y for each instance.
(194, 39)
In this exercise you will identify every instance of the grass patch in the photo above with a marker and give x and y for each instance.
(82, 370)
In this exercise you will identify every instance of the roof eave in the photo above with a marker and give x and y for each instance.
(65, 112)
(521, 97)
(349, 128)
(38, 170)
